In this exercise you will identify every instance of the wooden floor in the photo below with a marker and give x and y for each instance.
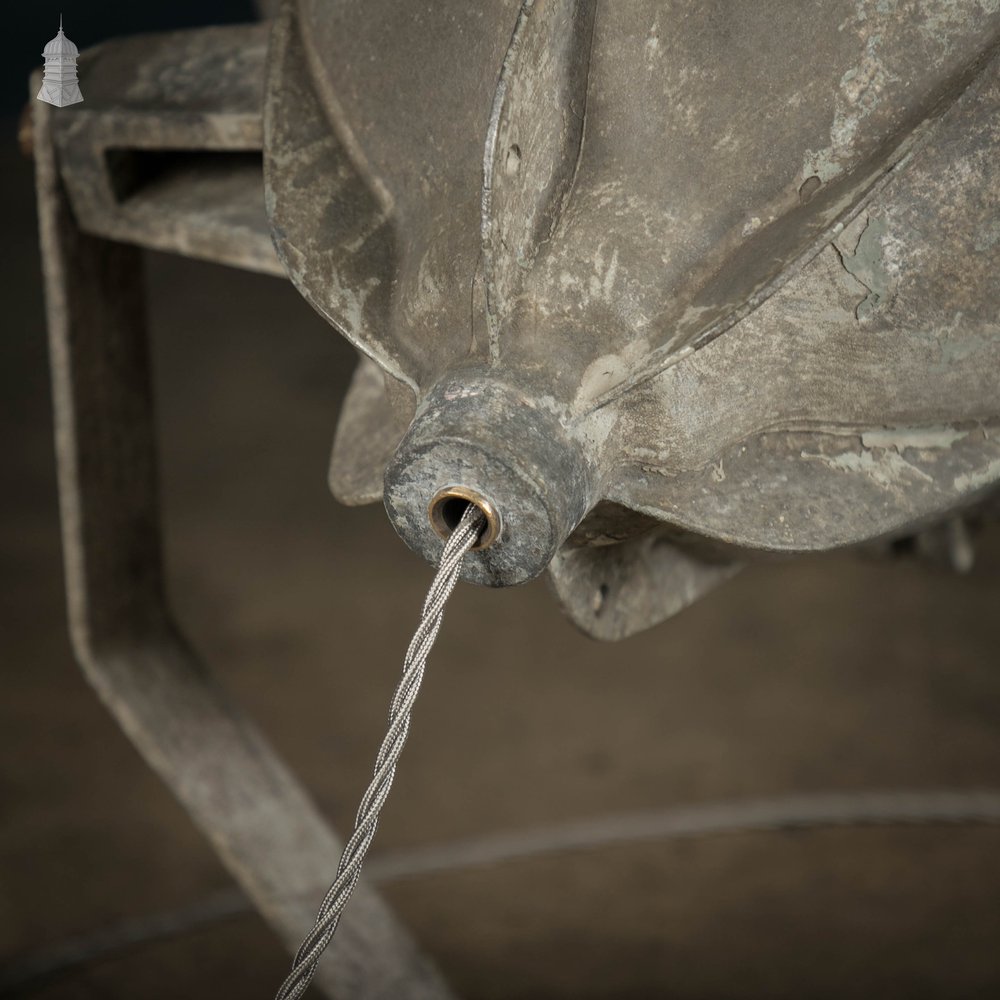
(826, 674)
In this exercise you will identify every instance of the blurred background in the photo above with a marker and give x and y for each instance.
(836, 673)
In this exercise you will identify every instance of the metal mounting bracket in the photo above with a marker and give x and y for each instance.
(257, 816)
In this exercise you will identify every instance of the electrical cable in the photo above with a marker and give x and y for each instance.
(462, 539)
(802, 812)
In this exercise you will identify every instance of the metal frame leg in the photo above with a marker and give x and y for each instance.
(259, 819)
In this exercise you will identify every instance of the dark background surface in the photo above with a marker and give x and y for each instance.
(832, 673)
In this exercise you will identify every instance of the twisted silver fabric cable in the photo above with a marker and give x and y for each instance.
(348, 871)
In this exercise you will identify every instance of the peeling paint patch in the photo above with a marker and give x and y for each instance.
(867, 265)
(862, 88)
(970, 481)
(593, 432)
(607, 371)
(600, 375)
(883, 466)
(900, 438)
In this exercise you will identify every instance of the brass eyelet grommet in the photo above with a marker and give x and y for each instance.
(446, 509)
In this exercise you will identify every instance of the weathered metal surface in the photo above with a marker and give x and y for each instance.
(838, 410)
(621, 571)
(663, 259)
(166, 151)
(608, 259)
(258, 817)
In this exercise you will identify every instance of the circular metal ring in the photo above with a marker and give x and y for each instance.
(446, 509)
